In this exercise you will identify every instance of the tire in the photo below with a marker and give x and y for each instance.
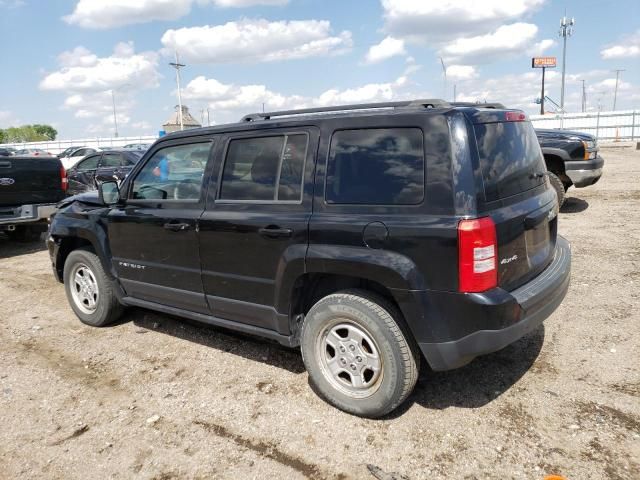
(91, 294)
(342, 336)
(558, 186)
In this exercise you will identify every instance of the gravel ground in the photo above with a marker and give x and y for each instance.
(157, 398)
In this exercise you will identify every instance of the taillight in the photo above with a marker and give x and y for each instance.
(515, 117)
(64, 181)
(477, 255)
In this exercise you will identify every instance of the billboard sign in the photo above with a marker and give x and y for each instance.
(546, 62)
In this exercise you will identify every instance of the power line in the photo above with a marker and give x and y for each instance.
(177, 65)
(615, 93)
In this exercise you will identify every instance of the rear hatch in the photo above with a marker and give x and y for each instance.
(30, 180)
(517, 195)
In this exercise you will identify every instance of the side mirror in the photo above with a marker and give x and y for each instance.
(109, 193)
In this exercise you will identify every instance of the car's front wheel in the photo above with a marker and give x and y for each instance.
(359, 354)
(89, 290)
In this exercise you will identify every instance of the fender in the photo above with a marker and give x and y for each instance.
(87, 225)
(558, 152)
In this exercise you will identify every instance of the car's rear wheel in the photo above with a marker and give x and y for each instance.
(558, 186)
(89, 290)
(359, 354)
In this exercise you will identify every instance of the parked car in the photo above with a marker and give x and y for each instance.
(68, 151)
(29, 190)
(33, 152)
(366, 235)
(137, 146)
(100, 167)
(572, 159)
(75, 156)
(7, 151)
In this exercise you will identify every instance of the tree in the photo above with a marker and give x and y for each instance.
(47, 130)
(29, 133)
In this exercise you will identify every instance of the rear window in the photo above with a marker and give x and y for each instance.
(378, 166)
(510, 158)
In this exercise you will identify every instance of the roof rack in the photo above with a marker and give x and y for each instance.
(426, 103)
(478, 104)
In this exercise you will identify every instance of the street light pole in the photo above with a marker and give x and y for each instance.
(565, 31)
(177, 65)
(115, 119)
(615, 93)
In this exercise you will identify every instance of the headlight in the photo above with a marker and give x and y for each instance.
(590, 145)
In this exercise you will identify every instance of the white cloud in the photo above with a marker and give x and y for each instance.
(629, 47)
(507, 40)
(540, 47)
(229, 102)
(7, 119)
(83, 71)
(247, 3)
(88, 82)
(387, 48)
(449, 19)
(256, 40)
(103, 14)
(461, 72)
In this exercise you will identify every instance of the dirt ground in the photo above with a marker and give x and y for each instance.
(157, 398)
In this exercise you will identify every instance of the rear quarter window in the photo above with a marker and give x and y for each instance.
(377, 166)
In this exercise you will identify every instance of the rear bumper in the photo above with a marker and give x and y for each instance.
(10, 216)
(523, 310)
(584, 173)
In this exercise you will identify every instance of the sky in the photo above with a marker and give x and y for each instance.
(66, 61)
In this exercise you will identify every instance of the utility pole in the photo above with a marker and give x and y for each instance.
(584, 98)
(615, 93)
(115, 119)
(444, 74)
(208, 118)
(177, 65)
(566, 30)
(455, 86)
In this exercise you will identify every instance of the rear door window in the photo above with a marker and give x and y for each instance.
(265, 168)
(90, 163)
(378, 166)
(110, 160)
(510, 158)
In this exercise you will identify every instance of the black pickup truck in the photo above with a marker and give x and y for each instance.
(572, 159)
(30, 187)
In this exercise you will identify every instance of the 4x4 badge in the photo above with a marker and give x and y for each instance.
(5, 182)
(504, 261)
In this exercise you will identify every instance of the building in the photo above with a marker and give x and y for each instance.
(173, 124)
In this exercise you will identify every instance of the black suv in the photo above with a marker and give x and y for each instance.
(366, 235)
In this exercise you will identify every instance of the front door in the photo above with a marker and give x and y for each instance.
(154, 235)
(255, 223)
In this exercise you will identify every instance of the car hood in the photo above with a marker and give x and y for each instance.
(564, 134)
(89, 199)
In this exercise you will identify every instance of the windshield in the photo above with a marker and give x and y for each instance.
(510, 158)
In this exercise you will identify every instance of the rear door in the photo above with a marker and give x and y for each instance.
(109, 167)
(82, 177)
(256, 223)
(517, 196)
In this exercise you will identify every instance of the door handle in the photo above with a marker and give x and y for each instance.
(176, 226)
(273, 231)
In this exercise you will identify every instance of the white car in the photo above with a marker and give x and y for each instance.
(72, 158)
